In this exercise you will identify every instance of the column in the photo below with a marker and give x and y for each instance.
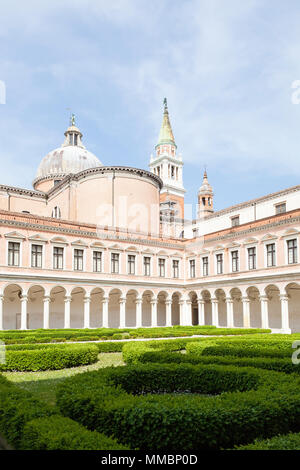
(139, 304)
(168, 312)
(229, 305)
(122, 302)
(1, 311)
(201, 312)
(264, 311)
(46, 301)
(24, 299)
(68, 300)
(105, 312)
(189, 313)
(154, 303)
(246, 312)
(86, 315)
(215, 312)
(285, 324)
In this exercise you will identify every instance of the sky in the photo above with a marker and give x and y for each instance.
(228, 69)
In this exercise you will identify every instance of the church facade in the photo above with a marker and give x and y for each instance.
(95, 246)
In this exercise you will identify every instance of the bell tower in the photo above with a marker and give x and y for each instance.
(168, 165)
(205, 198)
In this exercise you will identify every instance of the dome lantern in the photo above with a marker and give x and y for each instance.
(71, 158)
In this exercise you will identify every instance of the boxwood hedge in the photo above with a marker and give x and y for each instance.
(285, 442)
(147, 406)
(29, 424)
(49, 358)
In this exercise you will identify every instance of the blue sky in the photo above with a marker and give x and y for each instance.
(227, 68)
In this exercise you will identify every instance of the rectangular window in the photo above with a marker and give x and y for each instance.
(162, 267)
(36, 256)
(280, 208)
(58, 258)
(13, 254)
(271, 255)
(235, 261)
(97, 261)
(115, 263)
(78, 260)
(252, 258)
(220, 264)
(235, 221)
(175, 268)
(147, 266)
(205, 266)
(131, 264)
(292, 251)
(192, 268)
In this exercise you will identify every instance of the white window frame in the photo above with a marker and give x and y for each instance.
(247, 247)
(78, 247)
(270, 242)
(43, 253)
(115, 252)
(205, 255)
(216, 253)
(239, 259)
(179, 267)
(15, 240)
(58, 245)
(151, 265)
(135, 263)
(193, 258)
(166, 266)
(286, 239)
(102, 260)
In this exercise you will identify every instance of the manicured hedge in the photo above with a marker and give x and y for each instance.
(50, 358)
(48, 336)
(111, 400)
(29, 424)
(59, 433)
(285, 442)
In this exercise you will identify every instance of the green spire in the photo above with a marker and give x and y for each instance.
(166, 134)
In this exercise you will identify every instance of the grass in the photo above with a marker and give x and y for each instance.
(43, 384)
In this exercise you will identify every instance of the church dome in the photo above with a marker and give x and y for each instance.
(71, 157)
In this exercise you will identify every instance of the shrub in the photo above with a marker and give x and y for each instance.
(59, 433)
(266, 403)
(285, 442)
(49, 358)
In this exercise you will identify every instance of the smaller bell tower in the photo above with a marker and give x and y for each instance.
(205, 199)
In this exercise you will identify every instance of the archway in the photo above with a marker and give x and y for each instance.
(195, 313)
(96, 308)
(274, 306)
(131, 308)
(176, 308)
(146, 308)
(222, 308)
(236, 296)
(293, 292)
(57, 307)
(161, 309)
(255, 307)
(207, 307)
(114, 308)
(12, 307)
(35, 307)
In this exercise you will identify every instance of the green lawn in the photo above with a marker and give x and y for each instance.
(43, 384)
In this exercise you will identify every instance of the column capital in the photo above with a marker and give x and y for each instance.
(105, 300)
(87, 299)
(154, 301)
(263, 298)
(201, 302)
(284, 297)
(47, 298)
(168, 302)
(122, 300)
(229, 300)
(68, 298)
(138, 301)
(214, 300)
(1, 297)
(24, 298)
(245, 300)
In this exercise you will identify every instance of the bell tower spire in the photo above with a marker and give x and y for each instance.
(168, 165)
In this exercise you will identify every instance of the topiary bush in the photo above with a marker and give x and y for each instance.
(155, 406)
(49, 358)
